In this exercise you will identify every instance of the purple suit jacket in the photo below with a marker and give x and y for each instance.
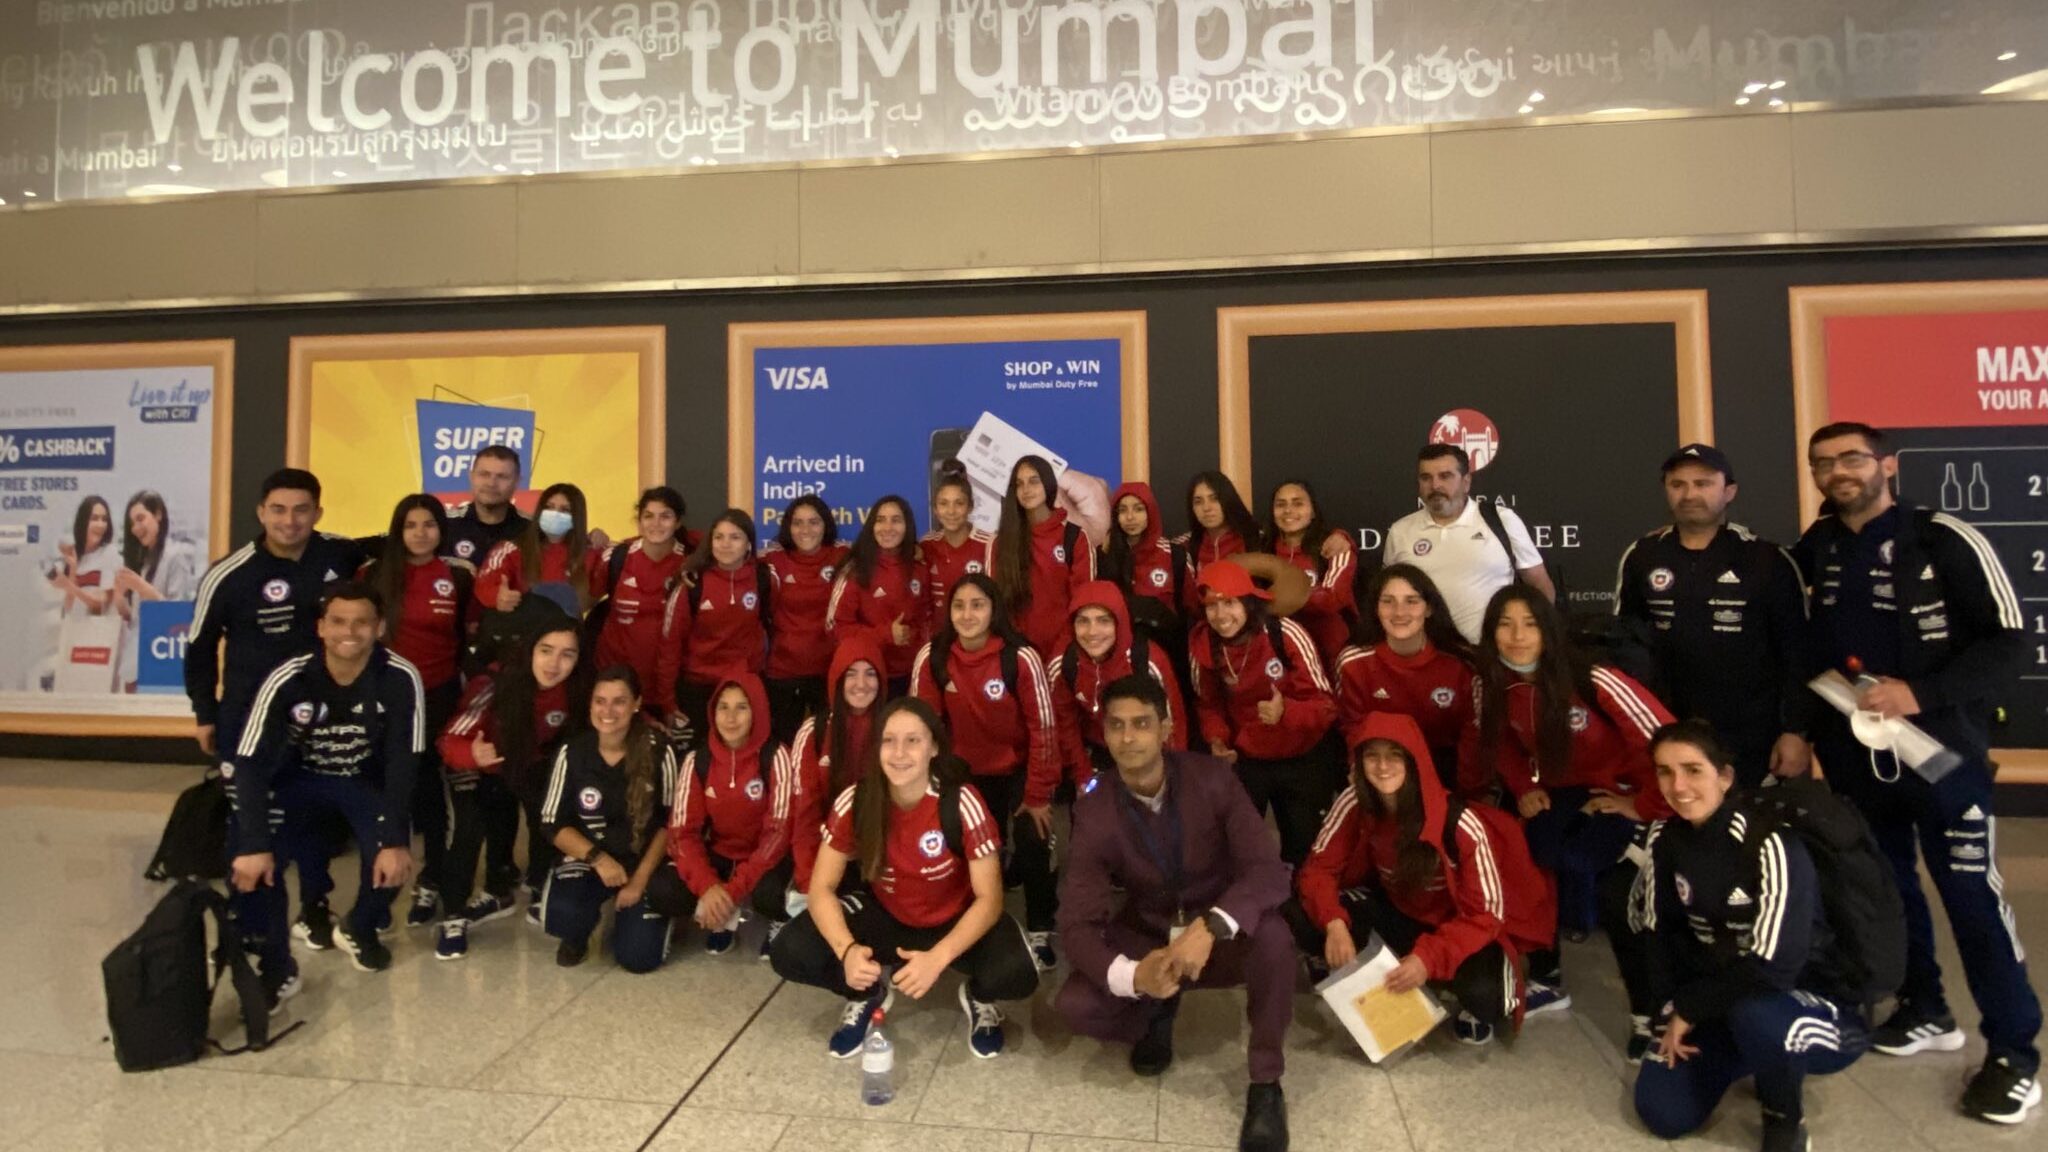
(1228, 861)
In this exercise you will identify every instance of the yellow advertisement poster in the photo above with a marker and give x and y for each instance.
(378, 418)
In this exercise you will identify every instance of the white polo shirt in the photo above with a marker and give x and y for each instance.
(1463, 557)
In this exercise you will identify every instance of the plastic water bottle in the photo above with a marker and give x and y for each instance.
(877, 1065)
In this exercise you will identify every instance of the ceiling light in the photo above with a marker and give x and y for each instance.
(1777, 103)
(1526, 109)
(1777, 84)
(1753, 87)
(2004, 56)
(1741, 100)
(1535, 97)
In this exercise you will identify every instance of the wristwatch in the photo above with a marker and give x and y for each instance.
(591, 856)
(1218, 926)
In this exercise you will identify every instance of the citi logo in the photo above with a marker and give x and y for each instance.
(799, 379)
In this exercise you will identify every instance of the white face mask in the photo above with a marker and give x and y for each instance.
(555, 523)
(1525, 669)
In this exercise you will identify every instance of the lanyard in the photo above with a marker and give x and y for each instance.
(1166, 854)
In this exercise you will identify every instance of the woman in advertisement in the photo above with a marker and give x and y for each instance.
(1041, 556)
(807, 554)
(881, 591)
(155, 565)
(90, 564)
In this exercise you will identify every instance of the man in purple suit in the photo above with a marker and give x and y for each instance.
(1202, 886)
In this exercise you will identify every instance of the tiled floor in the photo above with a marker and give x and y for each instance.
(713, 1054)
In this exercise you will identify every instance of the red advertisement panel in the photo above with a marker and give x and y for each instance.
(1939, 370)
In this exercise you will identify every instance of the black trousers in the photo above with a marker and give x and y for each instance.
(429, 793)
(1299, 790)
(998, 966)
(1030, 853)
(1484, 984)
(483, 819)
(790, 701)
(668, 895)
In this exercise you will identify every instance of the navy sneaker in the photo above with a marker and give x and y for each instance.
(485, 908)
(984, 1025)
(853, 1023)
(1471, 1029)
(315, 926)
(718, 943)
(1545, 998)
(2001, 1093)
(451, 940)
(1909, 1030)
(426, 907)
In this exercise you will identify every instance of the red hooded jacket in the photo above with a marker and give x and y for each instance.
(895, 588)
(1493, 893)
(475, 716)
(726, 803)
(432, 625)
(1432, 687)
(818, 777)
(996, 731)
(1229, 711)
(632, 626)
(1058, 567)
(504, 569)
(711, 630)
(1152, 558)
(945, 564)
(1610, 743)
(800, 641)
(1077, 682)
(1211, 547)
(1332, 607)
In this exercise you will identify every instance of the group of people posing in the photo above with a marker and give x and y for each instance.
(863, 746)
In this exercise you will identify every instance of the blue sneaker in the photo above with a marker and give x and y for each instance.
(1543, 998)
(718, 943)
(484, 908)
(451, 940)
(1471, 1029)
(853, 1024)
(984, 1025)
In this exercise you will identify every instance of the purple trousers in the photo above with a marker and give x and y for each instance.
(1262, 960)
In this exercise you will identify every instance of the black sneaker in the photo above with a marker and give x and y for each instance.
(315, 926)
(569, 953)
(367, 953)
(1265, 1120)
(2000, 1093)
(1152, 1055)
(426, 907)
(1910, 1030)
(277, 990)
(1785, 1135)
(1641, 1041)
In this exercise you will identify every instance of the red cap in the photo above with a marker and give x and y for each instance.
(1224, 579)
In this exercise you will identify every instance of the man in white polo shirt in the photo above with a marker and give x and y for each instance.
(1450, 538)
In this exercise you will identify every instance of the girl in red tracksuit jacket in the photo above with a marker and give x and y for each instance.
(880, 589)
(806, 558)
(1264, 703)
(988, 684)
(831, 747)
(1041, 557)
(553, 548)
(1219, 526)
(1102, 652)
(729, 830)
(493, 757)
(1571, 743)
(1295, 532)
(715, 624)
(648, 568)
(1410, 659)
(954, 547)
(1452, 889)
(1142, 561)
(428, 611)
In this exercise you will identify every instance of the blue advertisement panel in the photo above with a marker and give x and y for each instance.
(160, 645)
(855, 423)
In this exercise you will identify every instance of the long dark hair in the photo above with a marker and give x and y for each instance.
(701, 558)
(512, 696)
(1440, 629)
(1013, 534)
(1562, 676)
(1236, 516)
(871, 801)
(134, 557)
(816, 504)
(836, 712)
(1416, 862)
(388, 575)
(999, 625)
(1312, 537)
(81, 524)
(1116, 564)
(640, 752)
(860, 562)
(578, 540)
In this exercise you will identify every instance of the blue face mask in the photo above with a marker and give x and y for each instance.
(1528, 669)
(555, 523)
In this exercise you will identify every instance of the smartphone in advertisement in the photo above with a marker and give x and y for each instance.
(991, 448)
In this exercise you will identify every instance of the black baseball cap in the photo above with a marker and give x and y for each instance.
(1705, 454)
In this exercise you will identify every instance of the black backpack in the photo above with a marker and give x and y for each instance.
(614, 566)
(1858, 892)
(195, 839)
(160, 994)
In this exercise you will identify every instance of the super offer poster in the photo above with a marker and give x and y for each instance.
(855, 423)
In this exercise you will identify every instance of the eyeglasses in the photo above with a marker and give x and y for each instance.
(1847, 461)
